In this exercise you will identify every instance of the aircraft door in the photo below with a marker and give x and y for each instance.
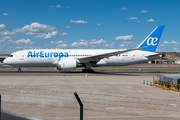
(133, 56)
(21, 56)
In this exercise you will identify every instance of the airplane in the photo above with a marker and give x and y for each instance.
(70, 59)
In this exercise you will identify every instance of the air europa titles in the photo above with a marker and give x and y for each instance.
(43, 54)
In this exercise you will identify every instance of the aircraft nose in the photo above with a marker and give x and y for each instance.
(6, 61)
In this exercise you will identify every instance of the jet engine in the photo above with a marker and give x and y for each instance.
(67, 64)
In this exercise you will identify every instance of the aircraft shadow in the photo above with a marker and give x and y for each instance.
(79, 73)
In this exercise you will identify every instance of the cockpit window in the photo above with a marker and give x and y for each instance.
(11, 56)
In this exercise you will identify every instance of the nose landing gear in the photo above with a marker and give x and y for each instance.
(19, 68)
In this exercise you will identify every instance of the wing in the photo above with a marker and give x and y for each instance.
(104, 55)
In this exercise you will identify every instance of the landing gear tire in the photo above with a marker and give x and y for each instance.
(91, 71)
(19, 70)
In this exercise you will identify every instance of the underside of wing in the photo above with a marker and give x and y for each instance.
(98, 57)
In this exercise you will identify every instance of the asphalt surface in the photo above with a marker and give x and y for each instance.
(76, 73)
(6, 70)
(103, 97)
(113, 93)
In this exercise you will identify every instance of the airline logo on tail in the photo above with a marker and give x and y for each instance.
(152, 40)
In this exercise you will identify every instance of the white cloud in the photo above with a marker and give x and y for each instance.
(9, 46)
(19, 42)
(95, 42)
(74, 44)
(95, 28)
(127, 45)
(2, 27)
(35, 28)
(38, 30)
(166, 42)
(4, 40)
(7, 37)
(24, 42)
(172, 42)
(51, 6)
(58, 42)
(47, 36)
(4, 32)
(124, 8)
(161, 45)
(127, 42)
(64, 34)
(54, 33)
(150, 20)
(122, 45)
(143, 11)
(61, 46)
(7, 33)
(44, 36)
(128, 37)
(175, 49)
(99, 24)
(138, 21)
(58, 6)
(109, 45)
(159, 50)
(132, 18)
(4, 14)
(79, 21)
(91, 44)
(82, 43)
(67, 26)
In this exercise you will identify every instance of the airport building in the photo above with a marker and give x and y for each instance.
(2, 57)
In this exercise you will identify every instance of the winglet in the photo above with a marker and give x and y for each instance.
(152, 40)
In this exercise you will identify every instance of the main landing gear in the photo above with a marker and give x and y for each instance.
(88, 71)
(19, 69)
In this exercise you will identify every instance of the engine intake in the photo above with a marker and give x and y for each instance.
(67, 64)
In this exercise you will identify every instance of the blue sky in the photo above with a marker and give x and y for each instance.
(87, 24)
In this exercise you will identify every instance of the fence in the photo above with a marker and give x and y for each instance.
(52, 112)
(24, 103)
(67, 111)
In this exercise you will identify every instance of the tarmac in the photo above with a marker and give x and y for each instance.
(49, 95)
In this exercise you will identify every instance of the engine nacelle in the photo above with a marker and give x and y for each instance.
(67, 64)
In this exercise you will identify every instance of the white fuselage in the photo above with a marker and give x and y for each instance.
(50, 57)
